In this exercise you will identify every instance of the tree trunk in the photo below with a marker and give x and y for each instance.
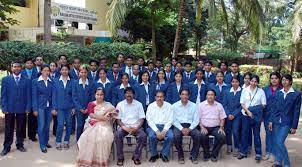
(181, 14)
(153, 32)
(47, 21)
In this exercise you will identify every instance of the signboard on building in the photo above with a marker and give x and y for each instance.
(73, 14)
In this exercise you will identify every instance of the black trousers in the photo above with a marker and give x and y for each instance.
(220, 140)
(55, 124)
(9, 130)
(31, 122)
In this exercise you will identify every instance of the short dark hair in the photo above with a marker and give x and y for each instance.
(129, 89)
(184, 89)
(211, 90)
(16, 62)
(249, 74)
(223, 62)
(76, 58)
(162, 92)
(220, 72)
(177, 72)
(256, 77)
(208, 62)
(103, 69)
(45, 66)
(276, 73)
(199, 70)
(114, 64)
(93, 61)
(235, 62)
(129, 57)
(236, 77)
(179, 63)
(188, 63)
(65, 65)
(150, 62)
(61, 55)
(125, 74)
(29, 59)
(288, 77)
(174, 58)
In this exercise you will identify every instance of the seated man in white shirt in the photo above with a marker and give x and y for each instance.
(186, 120)
(160, 118)
(130, 120)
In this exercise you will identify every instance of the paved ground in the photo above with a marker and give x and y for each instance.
(54, 158)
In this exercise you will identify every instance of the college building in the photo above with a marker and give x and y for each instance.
(81, 21)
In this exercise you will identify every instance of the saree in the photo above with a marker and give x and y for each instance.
(96, 141)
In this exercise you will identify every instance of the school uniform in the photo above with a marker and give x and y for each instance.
(152, 76)
(135, 79)
(128, 70)
(93, 76)
(82, 94)
(197, 93)
(228, 78)
(254, 101)
(232, 106)
(188, 77)
(145, 94)
(209, 78)
(52, 76)
(142, 69)
(108, 87)
(173, 92)
(270, 99)
(170, 76)
(63, 104)
(118, 93)
(42, 103)
(115, 79)
(15, 101)
(74, 74)
(161, 87)
(284, 117)
(219, 90)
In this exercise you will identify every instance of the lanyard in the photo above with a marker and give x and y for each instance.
(252, 98)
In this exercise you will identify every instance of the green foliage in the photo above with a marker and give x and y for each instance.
(7, 7)
(223, 54)
(18, 51)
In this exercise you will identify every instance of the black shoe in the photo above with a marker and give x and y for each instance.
(44, 150)
(4, 152)
(48, 146)
(258, 159)
(120, 162)
(66, 146)
(194, 160)
(153, 158)
(33, 139)
(21, 149)
(214, 159)
(165, 158)
(206, 158)
(240, 156)
(136, 161)
(59, 147)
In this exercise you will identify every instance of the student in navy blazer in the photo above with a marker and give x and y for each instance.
(104, 83)
(42, 88)
(161, 84)
(53, 74)
(74, 72)
(151, 71)
(232, 107)
(198, 88)
(188, 75)
(135, 79)
(174, 88)
(234, 71)
(219, 87)
(114, 75)
(223, 67)
(118, 92)
(145, 92)
(93, 73)
(63, 106)
(209, 77)
(169, 73)
(284, 119)
(13, 87)
(270, 94)
(129, 66)
(82, 94)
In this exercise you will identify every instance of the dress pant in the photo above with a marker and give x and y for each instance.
(141, 139)
(280, 133)
(80, 123)
(219, 141)
(32, 125)
(153, 141)
(195, 135)
(55, 125)
(9, 130)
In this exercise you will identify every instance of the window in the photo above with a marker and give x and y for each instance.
(21, 3)
(59, 23)
(89, 26)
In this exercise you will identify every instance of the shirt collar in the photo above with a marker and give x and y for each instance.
(181, 105)
(81, 81)
(234, 74)
(209, 73)
(123, 87)
(232, 89)
(61, 78)
(41, 78)
(291, 89)
(206, 102)
(196, 82)
(100, 81)
(144, 84)
(223, 84)
(188, 72)
(17, 75)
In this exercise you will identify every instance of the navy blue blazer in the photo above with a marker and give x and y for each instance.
(228, 79)
(211, 79)
(97, 77)
(191, 78)
(141, 95)
(153, 78)
(171, 79)
(257, 112)
(231, 103)
(162, 87)
(172, 92)
(142, 69)
(108, 90)
(62, 97)
(194, 92)
(41, 94)
(219, 94)
(73, 74)
(16, 98)
(287, 111)
(110, 76)
(135, 82)
(270, 99)
(118, 94)
(80, 96)
(34, 74)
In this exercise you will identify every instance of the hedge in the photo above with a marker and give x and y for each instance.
(19, 51)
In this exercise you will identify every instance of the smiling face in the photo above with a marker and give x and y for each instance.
(83, 73)
(274, 80)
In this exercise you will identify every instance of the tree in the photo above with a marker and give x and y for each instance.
(296, 20)
(47, 21)
(7, 7)
(181, 14)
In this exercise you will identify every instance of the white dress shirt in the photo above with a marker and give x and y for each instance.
(198, 93)
(45, 82)
(289, 91)
(159, 116)
(64, 82)
(147, 92)
(103, 83)
(252, 98)
(130, 114)
(128, 70)
(185, 114)
(84, 84)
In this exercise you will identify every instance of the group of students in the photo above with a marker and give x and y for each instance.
(195, 103)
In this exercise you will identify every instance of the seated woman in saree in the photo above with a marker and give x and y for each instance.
(96, 140)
